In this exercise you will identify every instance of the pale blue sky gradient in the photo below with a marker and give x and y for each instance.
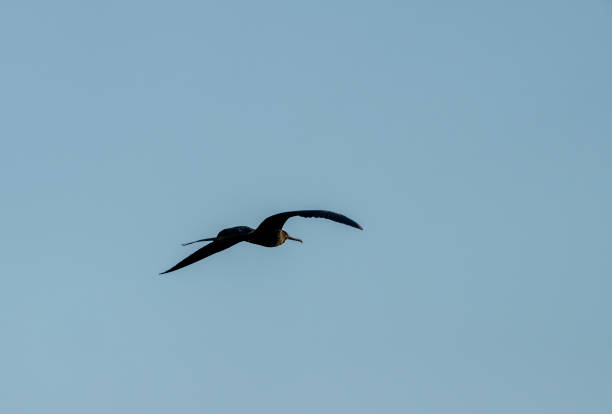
(471, 140)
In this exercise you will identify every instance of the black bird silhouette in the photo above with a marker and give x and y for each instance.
(270, 233)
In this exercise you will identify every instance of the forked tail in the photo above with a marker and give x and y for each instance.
(201, 240)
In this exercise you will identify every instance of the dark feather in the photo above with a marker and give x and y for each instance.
(277, 221)
(209, 249)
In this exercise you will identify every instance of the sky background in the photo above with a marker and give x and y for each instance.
(471, 140)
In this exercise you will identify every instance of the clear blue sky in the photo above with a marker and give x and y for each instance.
(472, 140)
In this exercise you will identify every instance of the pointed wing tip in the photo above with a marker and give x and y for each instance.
(353, 223)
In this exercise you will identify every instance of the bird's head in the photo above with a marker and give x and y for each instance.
(287, 236)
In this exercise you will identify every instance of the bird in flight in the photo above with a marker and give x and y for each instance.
(270, 233)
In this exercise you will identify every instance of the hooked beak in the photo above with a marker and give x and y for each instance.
(293, 238)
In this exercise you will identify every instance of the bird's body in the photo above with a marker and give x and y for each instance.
(269, 233)
(271, 238)
(268, 239)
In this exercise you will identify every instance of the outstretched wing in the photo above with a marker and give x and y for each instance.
(277, 221)
(210, 249)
